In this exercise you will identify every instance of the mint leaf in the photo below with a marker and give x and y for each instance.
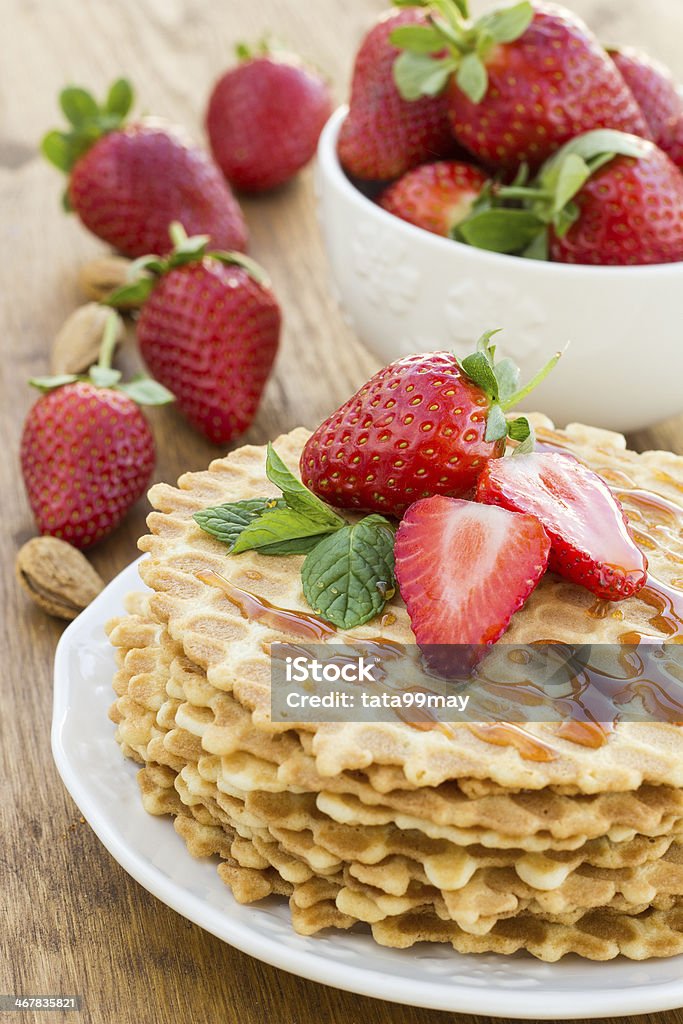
(349, 576)
(226, 522)
(298, 497)
(282, 525)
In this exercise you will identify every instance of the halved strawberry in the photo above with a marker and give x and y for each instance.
(592, 543)
(464, 570)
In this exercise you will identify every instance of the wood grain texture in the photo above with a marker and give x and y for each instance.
(73, 921)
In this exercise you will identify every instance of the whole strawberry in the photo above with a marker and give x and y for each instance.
(384, 135)
(127, 182)
(436, 197)
(426, 424)
(87, 452)
(517, 83)
(630, 211)
(209, 330)
(657, 95)
(604, 198)
(265, 117)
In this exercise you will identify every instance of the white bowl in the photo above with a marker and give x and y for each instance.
(405, 290)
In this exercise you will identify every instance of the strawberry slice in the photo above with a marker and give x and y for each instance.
(464, 570)
(592, 543)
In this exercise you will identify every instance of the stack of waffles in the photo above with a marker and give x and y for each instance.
(511, 838)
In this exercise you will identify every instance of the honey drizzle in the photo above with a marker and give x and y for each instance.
(586, 734)
(508, 734)
(259, 609)
(667, 603)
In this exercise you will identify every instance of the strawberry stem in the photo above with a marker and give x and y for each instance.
(109, 338)
(532, 384)
(178, 233)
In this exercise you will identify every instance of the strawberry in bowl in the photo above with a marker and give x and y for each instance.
(559, 212)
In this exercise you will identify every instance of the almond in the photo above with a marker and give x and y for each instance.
(77, 345)
(57, 577)
(100, 276)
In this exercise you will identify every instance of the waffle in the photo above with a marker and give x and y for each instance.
(387, 869)
(419, 835)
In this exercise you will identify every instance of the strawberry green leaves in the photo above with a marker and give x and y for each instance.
(453, 46)
(141, 389)
(88, 122)
(349, 576)
(145, 271)
(515, 218)
(500, 383)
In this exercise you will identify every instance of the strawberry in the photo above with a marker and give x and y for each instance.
(436, 197)
(657, 95)
(383, 135)
(264, 118)
(604, 198)
(629, 212)
(463, 571)
(128, 182)
(592, 543)
(518, 83)
(87, 452)
(426, 424)
(209, 330)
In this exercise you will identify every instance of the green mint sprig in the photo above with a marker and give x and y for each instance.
(348, 574)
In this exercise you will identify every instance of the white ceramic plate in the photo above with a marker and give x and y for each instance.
(103, 785)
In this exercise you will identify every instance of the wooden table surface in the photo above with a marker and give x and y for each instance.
(73, 921)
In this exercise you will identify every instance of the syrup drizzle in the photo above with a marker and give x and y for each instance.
(667, 604)
(259, 609)
(507, 734)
